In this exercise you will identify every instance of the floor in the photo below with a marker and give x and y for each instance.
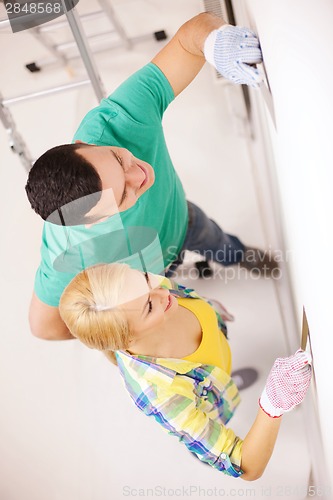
(68, 430)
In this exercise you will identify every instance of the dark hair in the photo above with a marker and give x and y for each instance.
(59, 177)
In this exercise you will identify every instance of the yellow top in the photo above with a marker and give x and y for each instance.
(214, 348)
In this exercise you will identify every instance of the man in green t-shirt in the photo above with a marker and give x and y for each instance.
(115, 195)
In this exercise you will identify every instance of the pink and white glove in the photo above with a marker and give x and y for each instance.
(287, 383)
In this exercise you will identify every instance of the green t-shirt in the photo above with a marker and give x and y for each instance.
(151, 233)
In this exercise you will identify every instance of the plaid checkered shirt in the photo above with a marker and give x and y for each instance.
(189, 400)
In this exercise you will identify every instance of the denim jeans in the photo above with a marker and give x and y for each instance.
(206, 238)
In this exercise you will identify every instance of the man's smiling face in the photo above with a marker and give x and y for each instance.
(122, 174)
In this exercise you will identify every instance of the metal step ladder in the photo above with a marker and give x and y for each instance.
(57, 53)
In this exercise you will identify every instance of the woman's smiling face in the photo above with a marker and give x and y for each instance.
(146, 303)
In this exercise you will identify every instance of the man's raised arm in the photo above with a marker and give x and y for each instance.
(232, 50)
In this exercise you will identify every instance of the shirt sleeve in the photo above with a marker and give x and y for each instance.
(132, 113)
(141, 100)
(49, 283)
(145, 95)
(178, 409)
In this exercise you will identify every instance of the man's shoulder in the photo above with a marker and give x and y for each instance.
(140, 100)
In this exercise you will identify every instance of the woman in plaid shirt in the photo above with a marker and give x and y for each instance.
(171, 349)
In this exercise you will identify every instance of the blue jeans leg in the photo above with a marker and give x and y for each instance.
(206, 238)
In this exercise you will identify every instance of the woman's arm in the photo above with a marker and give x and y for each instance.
(258, 445)
(286, 386)
(187, 411)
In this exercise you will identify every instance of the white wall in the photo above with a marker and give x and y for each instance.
(297, 42)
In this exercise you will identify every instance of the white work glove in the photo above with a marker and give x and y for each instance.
(231, 50)
(287, 383)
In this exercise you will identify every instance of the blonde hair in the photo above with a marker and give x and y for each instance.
(89, 307)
